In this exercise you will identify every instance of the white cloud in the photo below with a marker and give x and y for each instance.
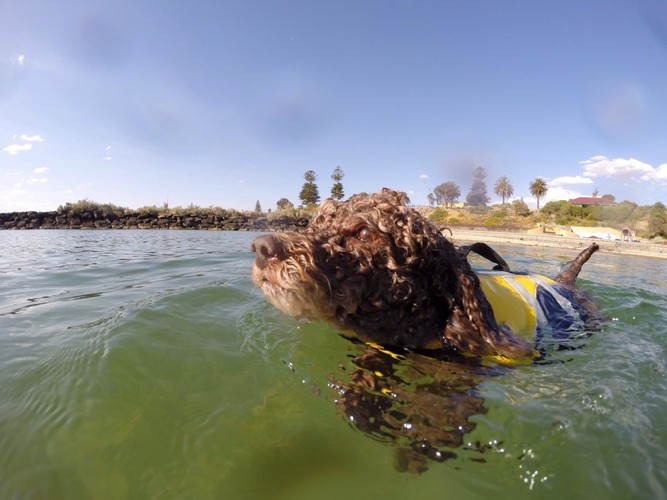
(19, 198)
(37, 180)
(107, 158)
(569, 180)
(18, 60)
(560, 193)
(41, 170)
(617, 168)
(108, 148)
(31, 138)
(423, 176)
(14, 149)
(555, 193)
(661, 172)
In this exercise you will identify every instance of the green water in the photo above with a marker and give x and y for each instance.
(143, 364)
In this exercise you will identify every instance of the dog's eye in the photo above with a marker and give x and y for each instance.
(364, 234)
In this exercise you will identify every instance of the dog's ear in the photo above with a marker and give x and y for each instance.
(472, 327)
(497, 339)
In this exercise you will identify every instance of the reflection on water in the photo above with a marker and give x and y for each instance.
(144, 364)
(420, 404)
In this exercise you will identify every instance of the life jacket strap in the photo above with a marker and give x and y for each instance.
(484, 250)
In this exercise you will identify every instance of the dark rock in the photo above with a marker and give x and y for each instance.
(97, 219)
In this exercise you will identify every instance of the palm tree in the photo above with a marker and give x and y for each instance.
(503, 188)
(538, 188)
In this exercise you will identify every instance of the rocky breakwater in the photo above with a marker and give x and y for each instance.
(92, 219)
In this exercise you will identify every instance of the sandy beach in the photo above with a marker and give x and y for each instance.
(639, 249)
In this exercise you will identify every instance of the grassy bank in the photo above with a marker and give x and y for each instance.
(648, 222)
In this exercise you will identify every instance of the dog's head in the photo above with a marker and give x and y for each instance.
(379, 269)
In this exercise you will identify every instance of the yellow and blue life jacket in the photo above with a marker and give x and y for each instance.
(529, 304)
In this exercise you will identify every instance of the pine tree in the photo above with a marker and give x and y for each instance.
(337, 192)
(309, 194)
(477, 195)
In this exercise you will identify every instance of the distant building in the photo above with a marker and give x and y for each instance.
(590, 200)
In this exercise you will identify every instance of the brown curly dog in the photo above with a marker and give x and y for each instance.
(377, 269)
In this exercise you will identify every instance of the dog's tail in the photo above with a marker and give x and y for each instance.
(568, 275)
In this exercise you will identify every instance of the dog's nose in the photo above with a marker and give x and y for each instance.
(267, 247)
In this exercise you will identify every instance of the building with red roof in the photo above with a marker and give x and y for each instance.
(591, 200)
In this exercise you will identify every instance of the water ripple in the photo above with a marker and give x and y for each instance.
(145, 364)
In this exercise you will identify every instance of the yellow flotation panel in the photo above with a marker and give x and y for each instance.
(513, 298)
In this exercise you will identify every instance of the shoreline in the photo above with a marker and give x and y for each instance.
(233, 221)
(636, 249)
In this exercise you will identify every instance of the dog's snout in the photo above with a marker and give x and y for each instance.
(266, 248)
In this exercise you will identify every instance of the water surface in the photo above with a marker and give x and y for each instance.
(144, 364)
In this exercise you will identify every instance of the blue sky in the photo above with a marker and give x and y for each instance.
(229, 102)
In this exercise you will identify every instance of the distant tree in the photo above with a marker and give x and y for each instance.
(556, 207)
(625, 213)
(657, 220)
(284, 204)
(309, 194)
(477, 195)
(446, 193)
(596, 193)
(337, 192)
(431, 199)
(258, 207)
(520, 208)
(503, 188)
(609, 197)
(405, 198)
(538, 188)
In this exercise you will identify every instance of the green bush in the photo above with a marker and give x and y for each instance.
(479, 209)
(87, 205)
(520, 208)
(149, 210)
(291, 213)
(554, 207)
(438, 216)
(657, 220)
(495, 219)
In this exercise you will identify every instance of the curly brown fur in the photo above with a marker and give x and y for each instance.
(378, 269)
